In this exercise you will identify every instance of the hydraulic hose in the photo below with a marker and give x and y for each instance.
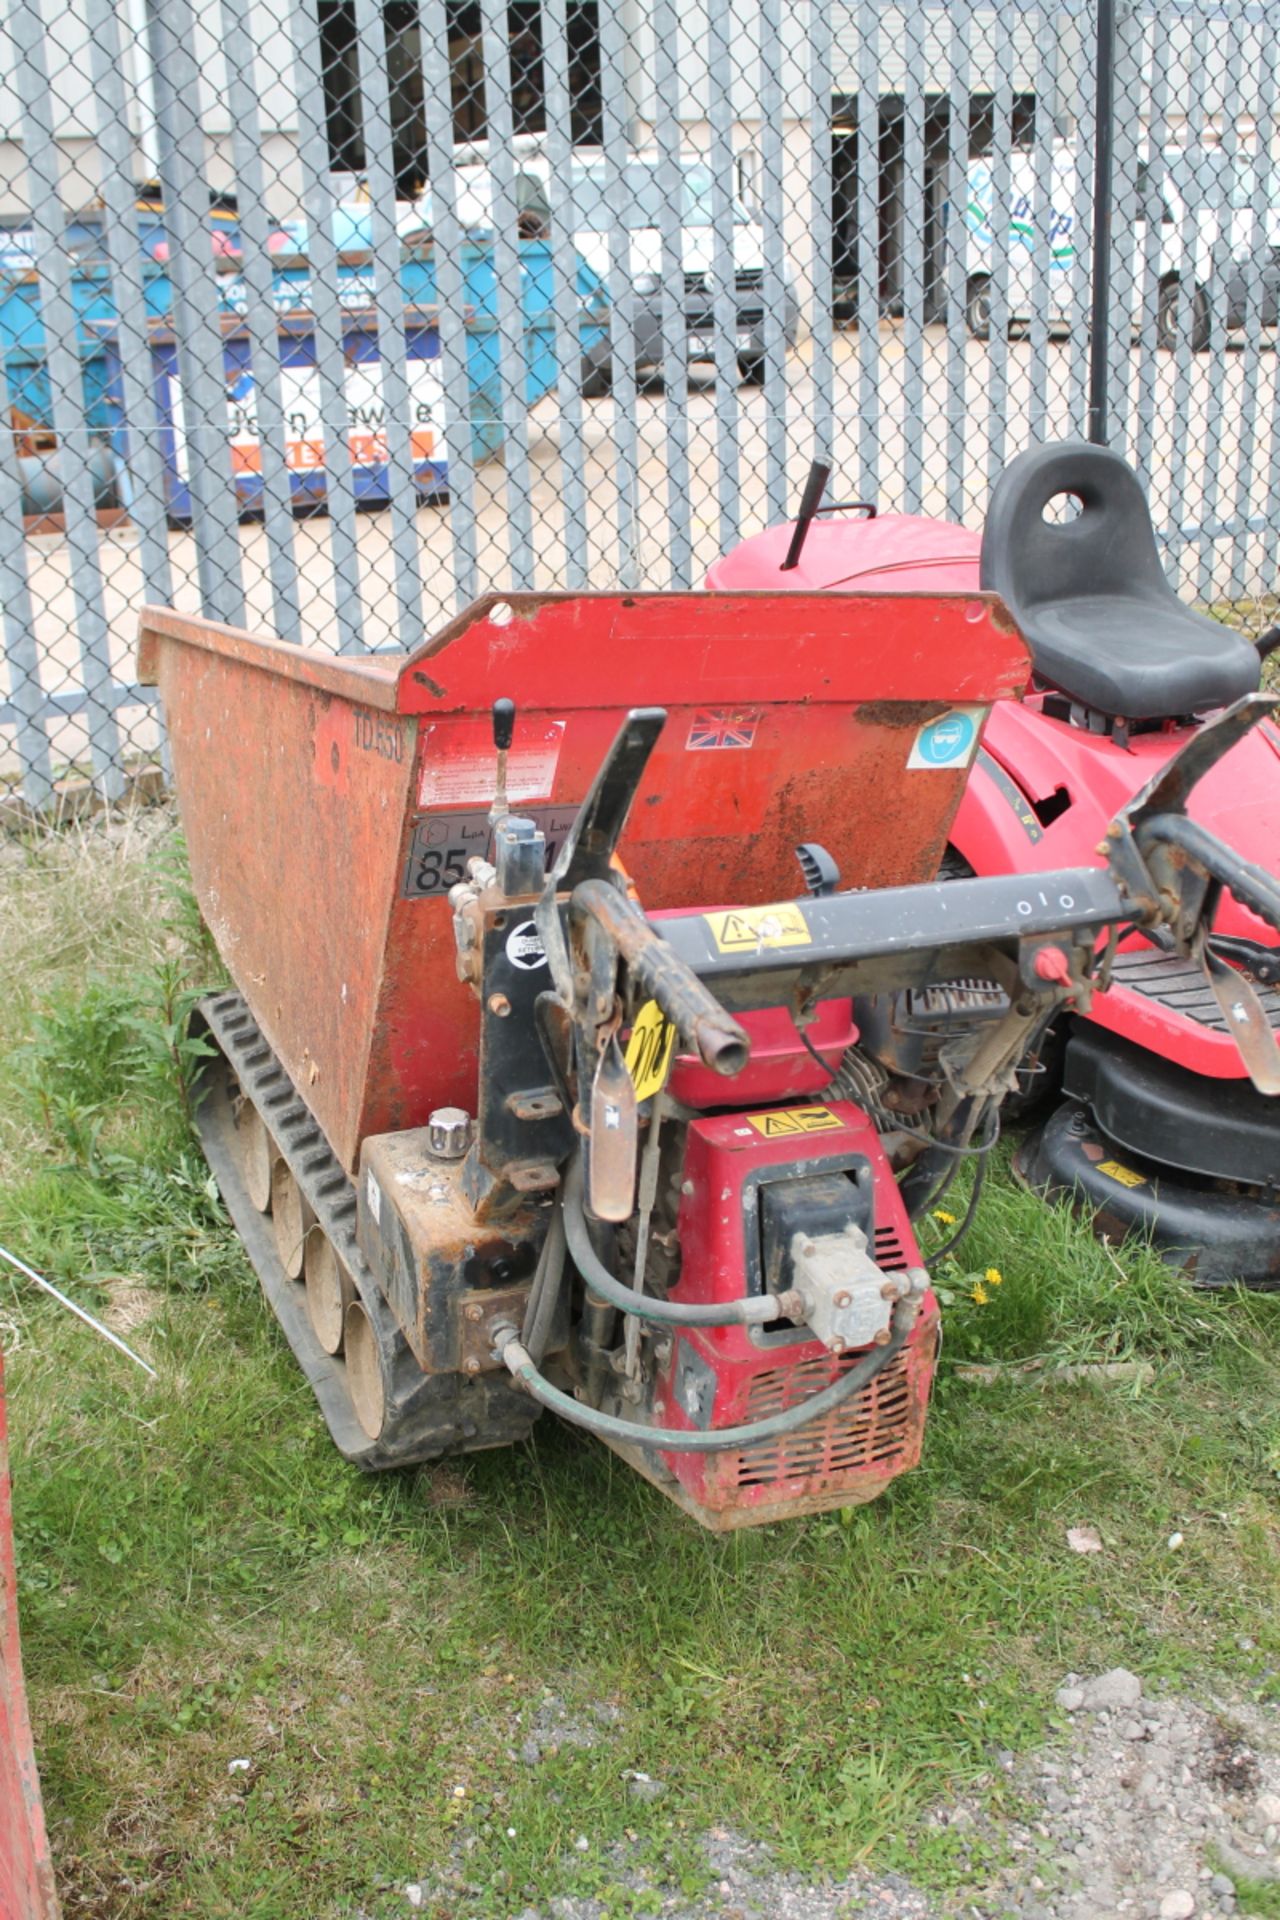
(544, 1295)
(721, 1439)
(753, 1311)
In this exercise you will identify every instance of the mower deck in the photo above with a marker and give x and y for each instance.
(1216, 1236)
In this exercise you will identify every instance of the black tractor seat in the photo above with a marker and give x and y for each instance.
(1091, 597)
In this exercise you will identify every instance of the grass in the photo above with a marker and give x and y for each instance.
(203, 1580)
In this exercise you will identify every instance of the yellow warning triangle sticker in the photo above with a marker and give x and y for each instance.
(751, 929)
(792, 1120)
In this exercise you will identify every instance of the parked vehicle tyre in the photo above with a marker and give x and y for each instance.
(751, 368)
(597, 382)
(1179, 315)
(977, 307)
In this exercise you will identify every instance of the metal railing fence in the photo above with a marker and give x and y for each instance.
(320, 315)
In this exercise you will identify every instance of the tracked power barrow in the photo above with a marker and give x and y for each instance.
(562, 1067)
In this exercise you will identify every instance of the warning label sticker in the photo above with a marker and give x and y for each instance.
(749, 929)
(649, 1050)
(1124, 1176)
(460, 762)
(792, 1120)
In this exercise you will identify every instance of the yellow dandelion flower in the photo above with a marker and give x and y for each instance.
(979, 1295)
(993, 1277)
(947, 1219)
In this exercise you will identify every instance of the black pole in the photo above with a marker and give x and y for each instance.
(1103, 183)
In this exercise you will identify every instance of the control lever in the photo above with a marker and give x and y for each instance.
(504, 727)
(607, 927)
(587, 850)
(704, 1026)
(1174, 867)
(611, 1161)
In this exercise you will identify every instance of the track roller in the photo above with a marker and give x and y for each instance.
(290, 1215)
(364, 1370)
(257, 1154)
(329, 1292)
(294, 1209)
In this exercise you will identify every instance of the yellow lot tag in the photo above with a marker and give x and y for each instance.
(1124, 1175)
(748, 929)
(790, 1120)
(649, 1050)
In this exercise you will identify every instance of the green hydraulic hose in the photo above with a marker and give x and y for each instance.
(756, 1310)
(722, 1439)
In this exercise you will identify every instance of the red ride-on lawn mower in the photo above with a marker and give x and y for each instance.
(1163, 1087)
(540, 1083)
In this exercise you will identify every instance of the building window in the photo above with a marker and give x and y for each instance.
(340, 54)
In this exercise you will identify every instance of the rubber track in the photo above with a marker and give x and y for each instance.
(427, 1414)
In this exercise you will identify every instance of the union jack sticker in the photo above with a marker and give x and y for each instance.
(723, 727)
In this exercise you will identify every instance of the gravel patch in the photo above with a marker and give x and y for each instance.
(1148, 1811)
(550, 1726)
(1151, 1799)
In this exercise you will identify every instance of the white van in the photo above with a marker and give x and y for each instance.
(1210, 241)
(643, 200)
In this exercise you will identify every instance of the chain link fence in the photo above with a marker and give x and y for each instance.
(319, 316)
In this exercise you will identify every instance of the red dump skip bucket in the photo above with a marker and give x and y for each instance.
(26, 1874)
(330, 803)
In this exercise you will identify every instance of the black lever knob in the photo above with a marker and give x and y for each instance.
(504, 723)
(821, 874)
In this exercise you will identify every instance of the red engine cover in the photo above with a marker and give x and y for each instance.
(734, 1375)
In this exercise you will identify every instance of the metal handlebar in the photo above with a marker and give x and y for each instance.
(1251, 884)
(701, 1022)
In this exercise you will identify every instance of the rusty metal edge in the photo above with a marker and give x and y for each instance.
(383, 681)
(372, 678)
(525, 604)
(19, 1766)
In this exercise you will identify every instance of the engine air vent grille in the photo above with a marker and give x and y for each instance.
(872, 1431)
(890, 1253)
